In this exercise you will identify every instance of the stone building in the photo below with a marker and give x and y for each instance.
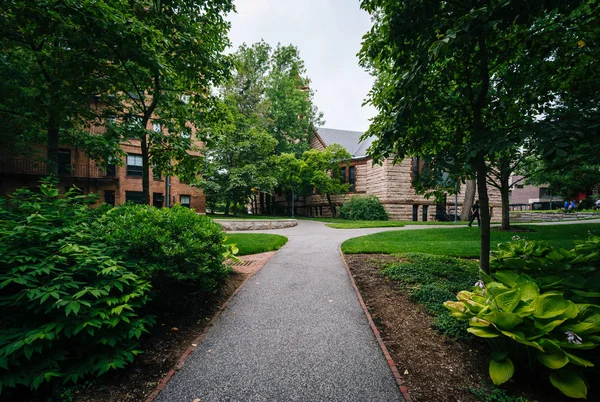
(391, 183)
(115, 183)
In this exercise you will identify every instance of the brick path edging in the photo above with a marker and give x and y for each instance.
(163, 383)
(386, 353)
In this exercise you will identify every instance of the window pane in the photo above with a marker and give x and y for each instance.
(351, 178)
(135, 160)
(156, 127)
(184, 200)
(137, 197)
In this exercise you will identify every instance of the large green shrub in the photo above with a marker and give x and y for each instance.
(67, 307)
(367, 208)
(541, 304)
(168, 245)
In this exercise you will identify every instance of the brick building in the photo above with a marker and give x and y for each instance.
(114, 183)
(391, 183)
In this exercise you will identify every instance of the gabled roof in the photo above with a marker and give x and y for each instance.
(348, 139)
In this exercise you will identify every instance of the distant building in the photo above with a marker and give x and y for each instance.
(525, 196)
(114, 184)
(392, 184)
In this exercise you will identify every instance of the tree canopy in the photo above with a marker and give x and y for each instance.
(460, 81)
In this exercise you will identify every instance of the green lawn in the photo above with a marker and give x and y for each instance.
(462, 242)
(254, 243)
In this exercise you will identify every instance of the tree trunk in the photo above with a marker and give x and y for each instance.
(262, 203)
(235, 208)
(145, 169)
(53, 134)
(331, 206)
(465, 214)
(504, 192)
(227, 208)
(484, 213)
(269, 204)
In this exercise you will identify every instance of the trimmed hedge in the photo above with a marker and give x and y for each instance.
(367, 208)
(168, 245)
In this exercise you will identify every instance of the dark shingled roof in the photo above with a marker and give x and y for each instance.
(348, 139)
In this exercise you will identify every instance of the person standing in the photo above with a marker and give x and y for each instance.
(475, 213)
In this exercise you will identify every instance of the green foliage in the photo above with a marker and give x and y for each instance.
(165, 245)
(484, 394)
(367, 208)
(69, 307)
(540, 303)
(430, 280)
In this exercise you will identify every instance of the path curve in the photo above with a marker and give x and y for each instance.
(294, 332)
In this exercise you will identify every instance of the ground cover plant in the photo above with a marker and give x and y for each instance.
(254, 243)
(367, 208)
(540, 310)
(70, 306)
(464, 243)
(430, 280)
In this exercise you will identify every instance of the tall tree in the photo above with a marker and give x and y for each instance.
(163, 72)
(322, 171)
(51, 65)
(436, 64)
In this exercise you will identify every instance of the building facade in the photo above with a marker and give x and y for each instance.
(391, 183)
(114, 183)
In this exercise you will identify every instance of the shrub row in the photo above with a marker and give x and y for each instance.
(74, 280)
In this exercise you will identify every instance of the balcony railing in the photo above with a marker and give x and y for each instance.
(37, 168)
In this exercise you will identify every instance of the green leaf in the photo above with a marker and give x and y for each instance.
(501, 371)
(483, 332)
(503, 320)
(553, 356)
(550, 305)
(529, 291)
(569, 383)
(507, 301)
(579, 361)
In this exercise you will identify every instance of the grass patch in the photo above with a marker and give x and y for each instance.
(430, 280)
(462, 242)
(254, 243)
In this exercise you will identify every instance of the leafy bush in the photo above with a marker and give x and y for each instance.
(364, 209)
(540, 304)
(587, 203)
(167, 245)
(68, 307)
(431, 280)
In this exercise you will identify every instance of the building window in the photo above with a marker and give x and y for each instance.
(343, 172)
(425, 207)
(109, 197)
(112, 119)
(185, 99)
(137, 197)
(415, 214)
(64, 162)
(186, 134)
(351, 177)
(157, 127)
(157, 200)
(185, 200)
(134, 165)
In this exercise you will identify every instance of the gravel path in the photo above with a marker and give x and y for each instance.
(295, 332)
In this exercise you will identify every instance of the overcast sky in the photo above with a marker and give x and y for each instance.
(328, 34)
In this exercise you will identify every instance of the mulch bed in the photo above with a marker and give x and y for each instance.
(433, 366)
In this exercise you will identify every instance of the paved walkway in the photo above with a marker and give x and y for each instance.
(295, 332)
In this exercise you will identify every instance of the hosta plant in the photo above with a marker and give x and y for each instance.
(68, 308)
(531, 313)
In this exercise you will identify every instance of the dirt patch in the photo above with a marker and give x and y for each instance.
(433, 366)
